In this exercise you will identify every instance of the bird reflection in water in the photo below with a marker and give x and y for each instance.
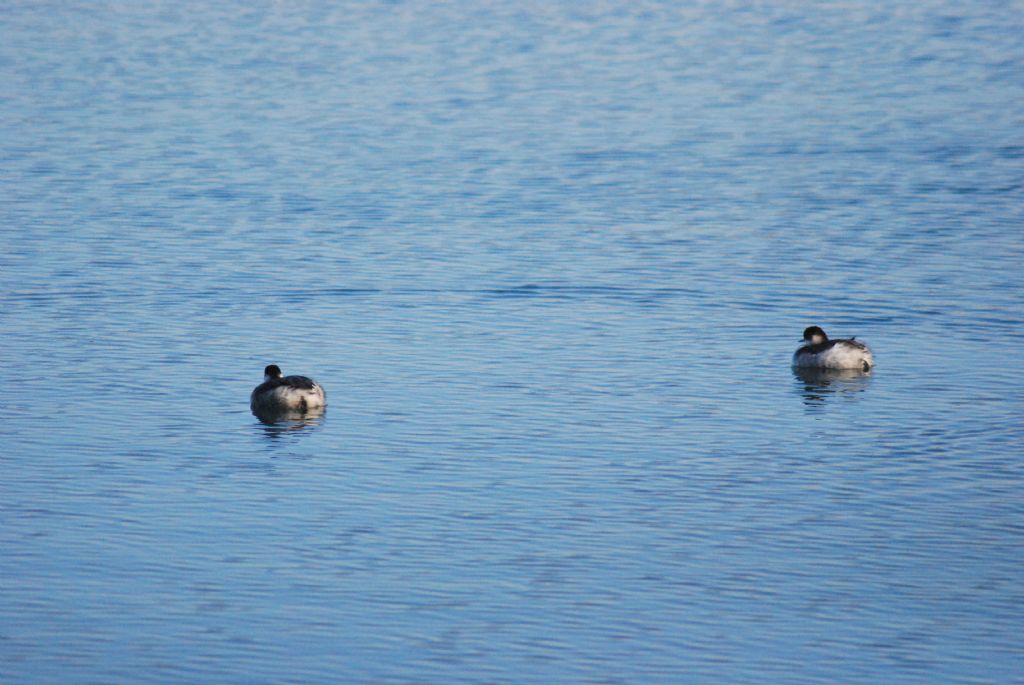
(819, 384)
(277, 424)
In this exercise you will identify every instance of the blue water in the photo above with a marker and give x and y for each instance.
(550, 261)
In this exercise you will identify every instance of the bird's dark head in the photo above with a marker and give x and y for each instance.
(271, 372)
(814, 335)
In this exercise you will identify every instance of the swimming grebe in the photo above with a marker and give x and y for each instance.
(818, 352)
(279, 393)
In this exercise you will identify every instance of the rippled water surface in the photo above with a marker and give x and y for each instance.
(550, 261)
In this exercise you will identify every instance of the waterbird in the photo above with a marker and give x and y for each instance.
(818, 352)
(279, 394)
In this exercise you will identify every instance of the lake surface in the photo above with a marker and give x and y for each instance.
(550, 261)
